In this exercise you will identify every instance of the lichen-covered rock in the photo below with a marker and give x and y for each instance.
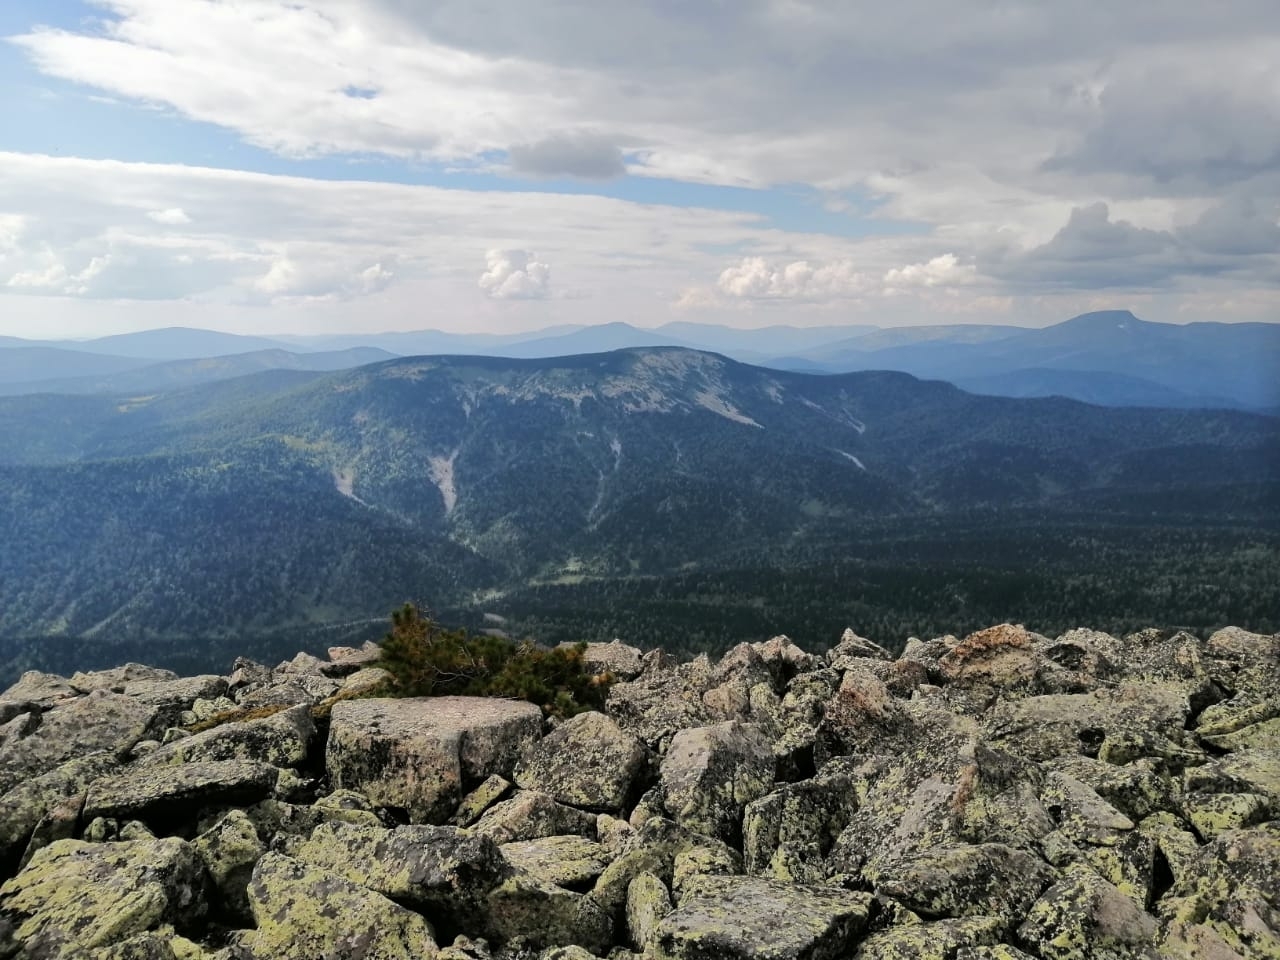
(442, 870)
(788, 833)
(1004, 657)
(229, 851)
(175, 791)
(661, 701)
(744, 918)
(418, 754)
(711, 773)
(41, 689)
(624, 662)
(1137, 789)
(570, 861)
(1215, 813)
(75, 895)
(1055, 725)
(366, 682)
(1083, 917)
(965, 880)
(588, 762)
(531, 815)
(23, 807)
(1249, 771)
(304, 913)
(648, 903)
(544, 915)
(100, 721)
(943, 940)
(475, 803)
(283, 739)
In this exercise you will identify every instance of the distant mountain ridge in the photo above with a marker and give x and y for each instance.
(1110, 358)
(293, 498)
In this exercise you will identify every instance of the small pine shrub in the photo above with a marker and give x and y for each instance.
(428, 660)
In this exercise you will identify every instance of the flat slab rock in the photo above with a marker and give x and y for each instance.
(147, 791)
(416, 754)
(749, 918)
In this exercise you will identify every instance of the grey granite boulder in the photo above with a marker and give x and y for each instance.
(419, 755)
(587, 762)
(304, 913)
(178, 791)
(24, 806)
(710, 774)
(1083, 917)
(749, 918)
(282, 739)
(530, 815)
(87, 896)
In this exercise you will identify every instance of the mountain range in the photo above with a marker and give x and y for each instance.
(293, 500)
(1110, 358)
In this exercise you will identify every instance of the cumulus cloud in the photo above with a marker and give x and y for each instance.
(755, 278)
(943, 271)
(174, 216)
(515, 275)
(318, 274)
(587, 156)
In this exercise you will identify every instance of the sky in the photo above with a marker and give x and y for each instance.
(314, 166)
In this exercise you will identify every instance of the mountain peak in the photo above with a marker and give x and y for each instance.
(1104, 320)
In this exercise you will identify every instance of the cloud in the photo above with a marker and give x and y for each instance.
(755, 278)
(174, 216)
(587, 156)
(316, 273)
(942, 271)
(515, 275)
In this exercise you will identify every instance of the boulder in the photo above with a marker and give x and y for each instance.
(475, 803)
(419, 754)
(617, 658)
(100, 721)
(570, 861)
(543, 915)
(171, 792)
(282, 739)
(443, 871)
(229, 851)
(531, 815)
(304, 913)
(710, 774)
(943, 940)
(788, 833)
(1083, 917)
(750, 918)
(83, 896)
(587, 762)
(23, 807)
(648, 904)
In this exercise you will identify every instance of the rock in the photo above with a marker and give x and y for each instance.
(1080, 813)
(932, 941)
(23, 807)
(100, 721)
(169, 792)
(530, 815)
(750, 917)
(862, 718)
(443, 871)
(88, 896)
(788, 833)
(648, 904)
(41, 689)
(365, 683)
(1135, 789)
(229, 851)
(853, 646)
(418, 754)
(785, 660)
(1215, 813)
(282, 739)
(570, 861)
(304, 913)
(1249, 771)
(660, 702)
(1003, 657)
(711, 773)
(965, 880)
(475, 803)
(542, 914)
(1083, 916)
(117, 679)
(587, 762)
(617, 658)
(346, 661)
(1057, 725)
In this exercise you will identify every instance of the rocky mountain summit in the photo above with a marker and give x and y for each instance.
(1001, 796)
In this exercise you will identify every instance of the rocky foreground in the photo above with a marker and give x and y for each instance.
(998, 797)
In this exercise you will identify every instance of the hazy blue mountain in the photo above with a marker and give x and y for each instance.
(762, 342)
(169, 343)
(1237, 362)
(595, 339)
(300, 501)
(22, 365)
(427, 342)
(877, 338)
(175, 374)
(1091, 386)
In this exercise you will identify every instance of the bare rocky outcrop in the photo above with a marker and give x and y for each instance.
(1000, 796)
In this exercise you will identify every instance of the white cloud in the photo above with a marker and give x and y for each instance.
(174, 216)
(515, 275)
(942, 271)
(757, 279)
